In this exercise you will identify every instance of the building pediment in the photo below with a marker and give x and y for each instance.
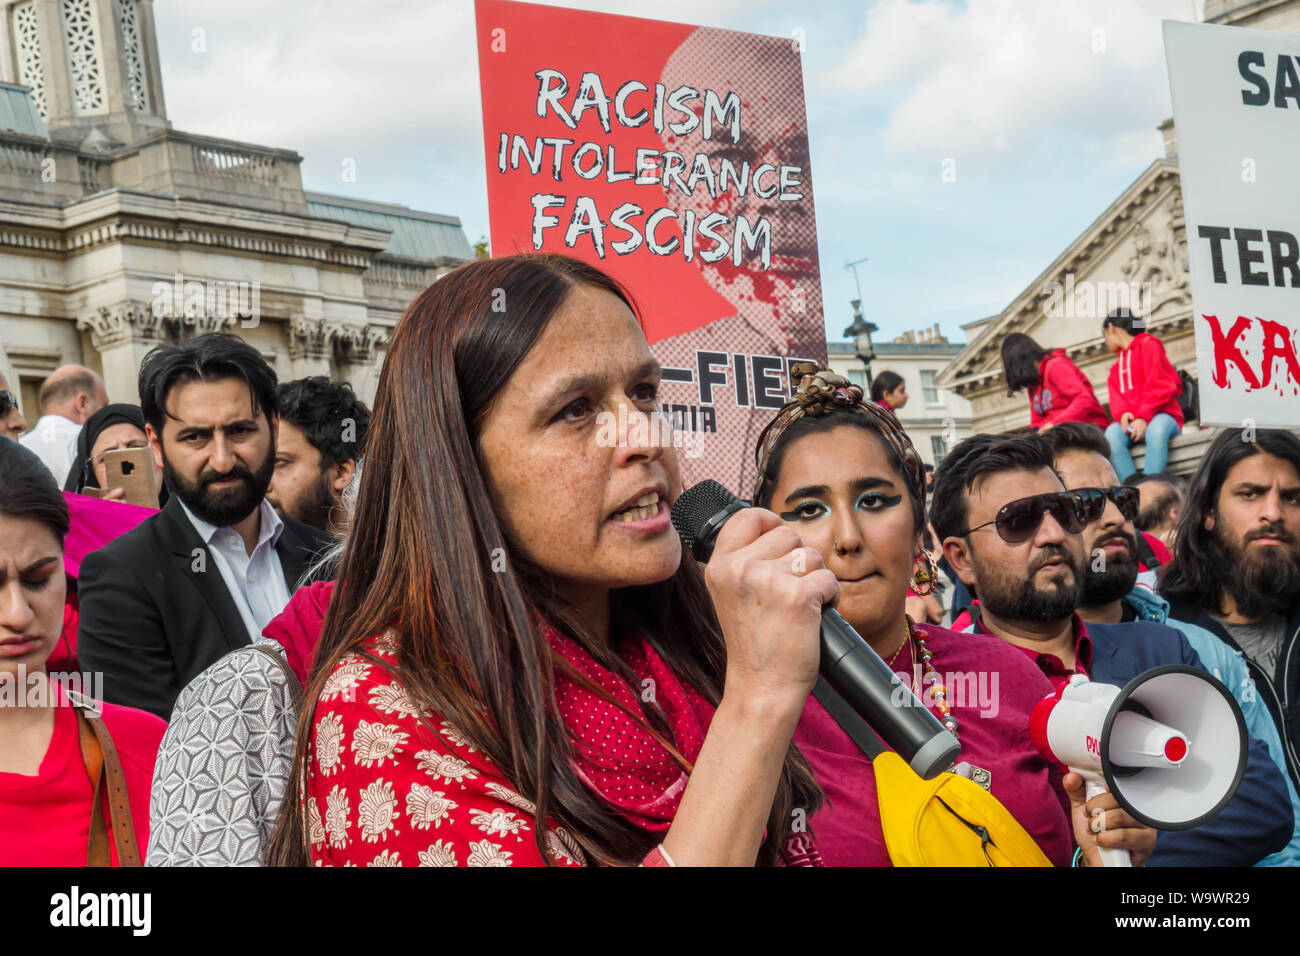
(1134, 254)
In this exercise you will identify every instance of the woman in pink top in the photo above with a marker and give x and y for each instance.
(47, 752)
(1058, 391)
(845, 477)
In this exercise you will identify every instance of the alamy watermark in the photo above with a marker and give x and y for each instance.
(965, 690)
(23, 688)
(642, 430)
(190, 299)
(1094, 300)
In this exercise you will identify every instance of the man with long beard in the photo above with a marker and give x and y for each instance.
(1236, 566)
(208, 572)
(1011, 533)
(1113, 591)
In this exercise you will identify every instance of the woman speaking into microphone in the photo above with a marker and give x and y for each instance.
(520, 666)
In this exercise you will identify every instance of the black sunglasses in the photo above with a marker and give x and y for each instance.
(1126, 499)
(1018, 520)
(8, 400)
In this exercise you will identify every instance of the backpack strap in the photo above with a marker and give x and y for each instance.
(859, 730)
(104, 767)
(295, 685)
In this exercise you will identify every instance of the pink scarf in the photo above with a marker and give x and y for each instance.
(618, 758)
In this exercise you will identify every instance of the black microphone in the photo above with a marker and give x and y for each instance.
(848, 663)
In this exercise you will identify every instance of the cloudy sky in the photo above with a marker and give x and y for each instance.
(1047, 110)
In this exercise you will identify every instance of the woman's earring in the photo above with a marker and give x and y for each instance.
(925, 573)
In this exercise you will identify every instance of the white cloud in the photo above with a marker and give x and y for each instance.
(998, 76)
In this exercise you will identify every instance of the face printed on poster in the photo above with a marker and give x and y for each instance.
(674, 158)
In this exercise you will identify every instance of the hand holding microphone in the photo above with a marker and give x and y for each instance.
(768, 590)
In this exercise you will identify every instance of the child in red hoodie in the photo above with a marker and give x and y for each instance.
(1144, 390)
(1058, 390)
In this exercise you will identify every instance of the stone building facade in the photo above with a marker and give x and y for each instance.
(118, 232)
(1133, 254)
(935, 418)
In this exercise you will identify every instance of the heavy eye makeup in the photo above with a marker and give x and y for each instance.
(867, 501)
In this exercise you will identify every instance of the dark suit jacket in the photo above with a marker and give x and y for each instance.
(152, 615)
(1257, 821)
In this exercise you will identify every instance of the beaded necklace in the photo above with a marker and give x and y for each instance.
(929, 676)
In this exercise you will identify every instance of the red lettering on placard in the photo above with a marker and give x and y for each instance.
(1093, 744)
(1226, 350)
(1278, 344)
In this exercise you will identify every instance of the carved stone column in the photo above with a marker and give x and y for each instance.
(358, 353)
(309, 346)
(122, 334)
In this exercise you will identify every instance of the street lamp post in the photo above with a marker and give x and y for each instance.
(860, 332)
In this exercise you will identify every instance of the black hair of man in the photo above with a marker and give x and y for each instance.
(1077, 436)
(323, 410)
(972, 460)
(208, 358)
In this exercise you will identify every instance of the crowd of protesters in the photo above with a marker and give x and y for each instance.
(425, 637)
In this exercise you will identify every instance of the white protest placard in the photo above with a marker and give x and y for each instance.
(1236, 95)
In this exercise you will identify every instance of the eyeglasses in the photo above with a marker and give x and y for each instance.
(8, 400)
(1126, 499)
(1018, 520)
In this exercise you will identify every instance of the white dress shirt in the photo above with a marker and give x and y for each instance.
(255, 582)
(54, 441)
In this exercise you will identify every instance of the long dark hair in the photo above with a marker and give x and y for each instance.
(419, 558)
(1021, 356)
(1196, 573)
(27, 490)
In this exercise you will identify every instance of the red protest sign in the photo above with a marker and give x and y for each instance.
(675, 158)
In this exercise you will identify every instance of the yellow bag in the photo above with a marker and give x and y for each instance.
(947, 821)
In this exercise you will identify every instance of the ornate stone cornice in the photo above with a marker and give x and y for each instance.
(124, 322)
(140, 322)
(346, 341)
(358, 343)
(308, 338)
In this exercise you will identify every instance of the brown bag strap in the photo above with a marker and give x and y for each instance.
(100, 754)
(97, 853)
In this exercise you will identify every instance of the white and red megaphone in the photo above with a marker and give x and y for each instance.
(1171, 746)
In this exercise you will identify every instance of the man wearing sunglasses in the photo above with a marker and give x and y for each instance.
(12, 423)
(1114, 592)
(1012, 532)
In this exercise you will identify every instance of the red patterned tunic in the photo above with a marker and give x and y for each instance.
(385, 788)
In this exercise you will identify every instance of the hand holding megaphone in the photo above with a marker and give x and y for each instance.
(1170, 747)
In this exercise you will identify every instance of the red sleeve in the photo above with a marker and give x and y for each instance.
(385, 789)
(1163, 554)
(1066, 380)
(1158, 384)
(298, 627)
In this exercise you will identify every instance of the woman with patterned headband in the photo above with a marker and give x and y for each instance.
(842, 473)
